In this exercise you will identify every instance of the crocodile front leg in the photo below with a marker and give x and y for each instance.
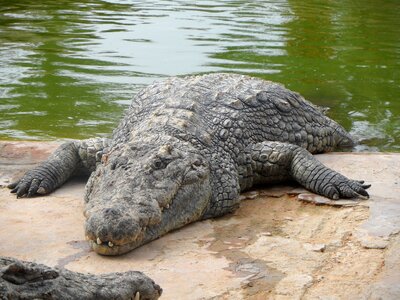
(52, 173)
(225, 188)
(274, 161)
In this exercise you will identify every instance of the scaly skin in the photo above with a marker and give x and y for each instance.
(26, 280)
(185, 150)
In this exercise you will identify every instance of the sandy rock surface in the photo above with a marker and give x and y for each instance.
(278, 245)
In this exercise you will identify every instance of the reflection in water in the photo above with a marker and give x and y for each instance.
(68, 69)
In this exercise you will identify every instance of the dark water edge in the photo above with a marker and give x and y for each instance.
(68, 69)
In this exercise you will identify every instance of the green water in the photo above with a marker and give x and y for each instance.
(68, 69)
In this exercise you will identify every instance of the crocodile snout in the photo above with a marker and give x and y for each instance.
(110, 231)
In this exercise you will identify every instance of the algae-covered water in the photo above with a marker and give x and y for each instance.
(69, 68)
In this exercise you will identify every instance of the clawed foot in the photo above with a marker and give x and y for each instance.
(341, 187)
(31, 184)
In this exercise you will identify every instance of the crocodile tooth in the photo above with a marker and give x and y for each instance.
(110, 244)
(98, 241)
(137, 296)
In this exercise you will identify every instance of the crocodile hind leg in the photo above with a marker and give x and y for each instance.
(61, 165)
(274, 161)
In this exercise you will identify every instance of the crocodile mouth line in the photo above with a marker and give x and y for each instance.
(113, 248)
(105, 248)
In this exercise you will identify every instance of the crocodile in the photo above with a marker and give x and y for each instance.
(28, 280)
(185, 150)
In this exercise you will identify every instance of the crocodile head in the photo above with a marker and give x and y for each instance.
(141, 191)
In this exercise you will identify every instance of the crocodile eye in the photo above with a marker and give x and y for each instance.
(159, 164)
(196, 164)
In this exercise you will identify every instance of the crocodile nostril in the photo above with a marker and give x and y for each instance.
(110, 211)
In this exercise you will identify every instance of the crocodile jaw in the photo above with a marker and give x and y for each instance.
(105, 249)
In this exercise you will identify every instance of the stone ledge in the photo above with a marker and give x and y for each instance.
(273, 247)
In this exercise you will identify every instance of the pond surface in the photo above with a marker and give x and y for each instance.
(68, 69)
